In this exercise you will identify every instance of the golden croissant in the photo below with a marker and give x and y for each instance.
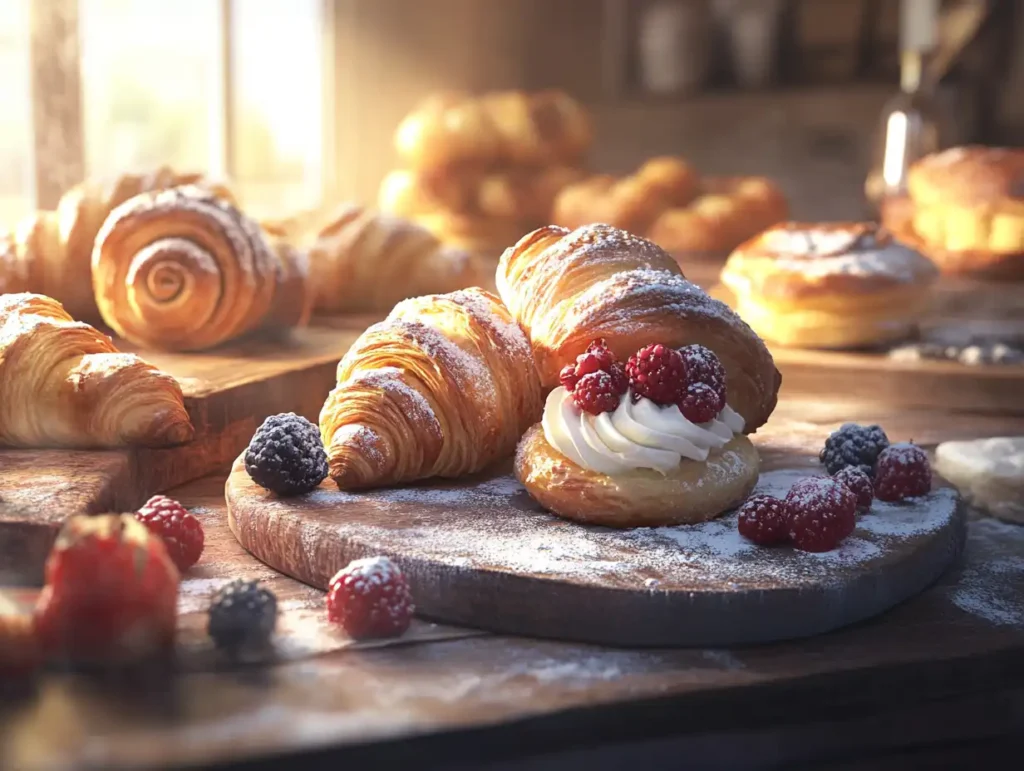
(365, 261)
(568, 288)
(183, 269)
(504, 127)
(444, 386)
(50, 251)
(64, 384)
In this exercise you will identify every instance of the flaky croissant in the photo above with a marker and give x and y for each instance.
(183, 269)
(568, 288)
(50, 251)
(365, 261)
(443, 387)
(503, 127)
(64, 384)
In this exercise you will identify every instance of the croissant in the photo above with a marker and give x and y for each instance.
(443, 387)
(365, 261)
(183, 269)
(498, 128)
(64, 384)
(50, 251)
(568, 288)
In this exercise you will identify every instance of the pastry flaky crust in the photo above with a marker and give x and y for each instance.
(183, 269)
(503, 127)
(693, 492)
(50, 251)
(362, 260)
(829, 285)
(968, 210)
(64, 384)
(445, 386)
(567, 288)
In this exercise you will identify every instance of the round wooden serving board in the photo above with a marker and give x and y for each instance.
(479, 552)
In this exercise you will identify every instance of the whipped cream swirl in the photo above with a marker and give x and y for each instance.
(636, 435)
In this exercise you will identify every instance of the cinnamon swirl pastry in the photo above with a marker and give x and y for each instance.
(183, 269)
(829, 285)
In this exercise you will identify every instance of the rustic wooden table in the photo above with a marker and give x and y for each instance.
(939, 680)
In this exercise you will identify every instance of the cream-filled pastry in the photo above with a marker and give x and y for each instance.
(652, 384)
(829, 285)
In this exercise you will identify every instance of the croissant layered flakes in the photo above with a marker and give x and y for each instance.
(50, 252)
(184, 269)
(64, 384)
(568, 288)
(365, 261)
(444, 386)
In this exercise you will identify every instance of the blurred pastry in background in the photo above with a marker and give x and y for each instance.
(667, 201)
(966, 210)
(479, 172)
(829, 285)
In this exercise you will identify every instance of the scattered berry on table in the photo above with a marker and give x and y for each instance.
(243, 614)
(370, 598)
(859, 484)
(902, 471)
(763, 520)
(700, 403)
(110, 593)
(703, 366)
(567, 377)
(853, 445)
(822, 512)
(181, 531)
(658, 373)
(595, 393)
(286, 455)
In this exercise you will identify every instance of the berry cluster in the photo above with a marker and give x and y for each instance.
(692, 378)
(819, 512)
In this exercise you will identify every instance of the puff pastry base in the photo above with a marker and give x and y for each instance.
(694, 492)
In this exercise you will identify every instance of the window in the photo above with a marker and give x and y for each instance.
(230, 87)
(15, 113)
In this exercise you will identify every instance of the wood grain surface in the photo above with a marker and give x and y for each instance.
(228, 393)
(482, 553)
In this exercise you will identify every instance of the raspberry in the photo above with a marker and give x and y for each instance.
(111, 591)
(620, 380)
(243, 614)
(600, 349)
(853, 445)
(763, 520)
(370, 598)
(659, 373)
(595, 393)
(567, 377)
(703, 366)
(700, 404)
(286, 455)
(822, 512)
(902, 472)
(181, 532)
(858, 483)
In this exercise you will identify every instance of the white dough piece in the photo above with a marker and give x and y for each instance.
(988, 472)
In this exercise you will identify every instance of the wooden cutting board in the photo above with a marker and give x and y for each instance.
(228, 393)
(481, 553)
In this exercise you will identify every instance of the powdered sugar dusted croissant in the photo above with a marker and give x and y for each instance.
(64, 384)
(183, 269)
(364, 261)
(445, 386)
(50, 251)
(568, 288)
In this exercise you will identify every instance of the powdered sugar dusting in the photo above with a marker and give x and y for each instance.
(495, 525)
(990, 588)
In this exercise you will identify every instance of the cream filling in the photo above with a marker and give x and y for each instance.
(636, 435)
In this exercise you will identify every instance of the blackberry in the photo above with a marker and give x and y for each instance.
(853, 445)
(286, 455)
(243, 614)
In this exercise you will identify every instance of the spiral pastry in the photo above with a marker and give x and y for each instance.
(183, 269)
